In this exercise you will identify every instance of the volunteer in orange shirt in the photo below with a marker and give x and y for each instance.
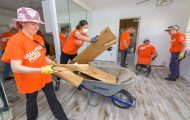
(125, 43)
(177, 49)
(14, 28)
(74, 42)
(25, 52)
(146, 53)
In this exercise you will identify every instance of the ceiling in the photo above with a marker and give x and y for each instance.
(14, 4)
(92, 4)
(100, 4)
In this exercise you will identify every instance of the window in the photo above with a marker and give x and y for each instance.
(188, 35)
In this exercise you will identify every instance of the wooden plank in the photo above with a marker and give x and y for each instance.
(105, 40)
(72, 78)
(86, 69)
(99, 75)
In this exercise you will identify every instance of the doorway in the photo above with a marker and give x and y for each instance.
(123, 25)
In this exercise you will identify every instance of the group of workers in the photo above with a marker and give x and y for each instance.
(147, 52)
(26, 54)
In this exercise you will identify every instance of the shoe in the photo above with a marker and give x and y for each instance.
(57, 86)
(125, 66)
(5, 109)
(170, 79)
(8, 78)
(171, 76)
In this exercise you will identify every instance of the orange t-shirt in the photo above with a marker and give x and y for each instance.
(73, 44)
(21, 47)
(145, 52)
(125, 36)
(63, 39)
(6, 35)
(176, 42)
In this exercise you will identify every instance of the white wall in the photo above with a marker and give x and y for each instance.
(185, 68)
(6, 16)
(153, 22)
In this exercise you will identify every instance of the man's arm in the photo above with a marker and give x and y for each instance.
(154, 53)
(184, 46)
(182, 40)
(125, 43)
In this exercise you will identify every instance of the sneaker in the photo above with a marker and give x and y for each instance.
(125, 66)
(8, 78)
(170, 79)
(57, 86)
(171, 76)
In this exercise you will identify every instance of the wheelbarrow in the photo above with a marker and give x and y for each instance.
(84, 76)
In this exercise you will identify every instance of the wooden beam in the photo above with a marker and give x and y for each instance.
(105, 40)
(69, 76)
(85, 69)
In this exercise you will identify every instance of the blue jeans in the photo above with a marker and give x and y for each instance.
(7, 69)
(174, 65)
(123, 57)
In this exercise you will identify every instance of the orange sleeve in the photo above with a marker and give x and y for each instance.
(14, 51)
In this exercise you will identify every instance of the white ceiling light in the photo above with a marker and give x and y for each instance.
(159, 3)
(163, 2)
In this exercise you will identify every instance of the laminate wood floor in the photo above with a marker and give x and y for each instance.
(157, 99)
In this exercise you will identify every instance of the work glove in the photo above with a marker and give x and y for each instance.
(181, 55)
(47, 70)
(94, 39)
(110, 48)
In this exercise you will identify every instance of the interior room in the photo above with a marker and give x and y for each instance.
(95, 60)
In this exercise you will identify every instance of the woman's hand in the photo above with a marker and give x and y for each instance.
(94, 39)
(47, 70)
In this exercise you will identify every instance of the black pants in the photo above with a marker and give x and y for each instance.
(64, 59)
(140, 66)
(55, 106)
(123, 57)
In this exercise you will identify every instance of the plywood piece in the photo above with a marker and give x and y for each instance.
(86, 69)
(99, 75)
(69, 76)
(105, 40)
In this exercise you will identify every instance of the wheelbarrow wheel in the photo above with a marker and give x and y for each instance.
(125, 97)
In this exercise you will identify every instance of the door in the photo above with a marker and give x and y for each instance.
(123, 25)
